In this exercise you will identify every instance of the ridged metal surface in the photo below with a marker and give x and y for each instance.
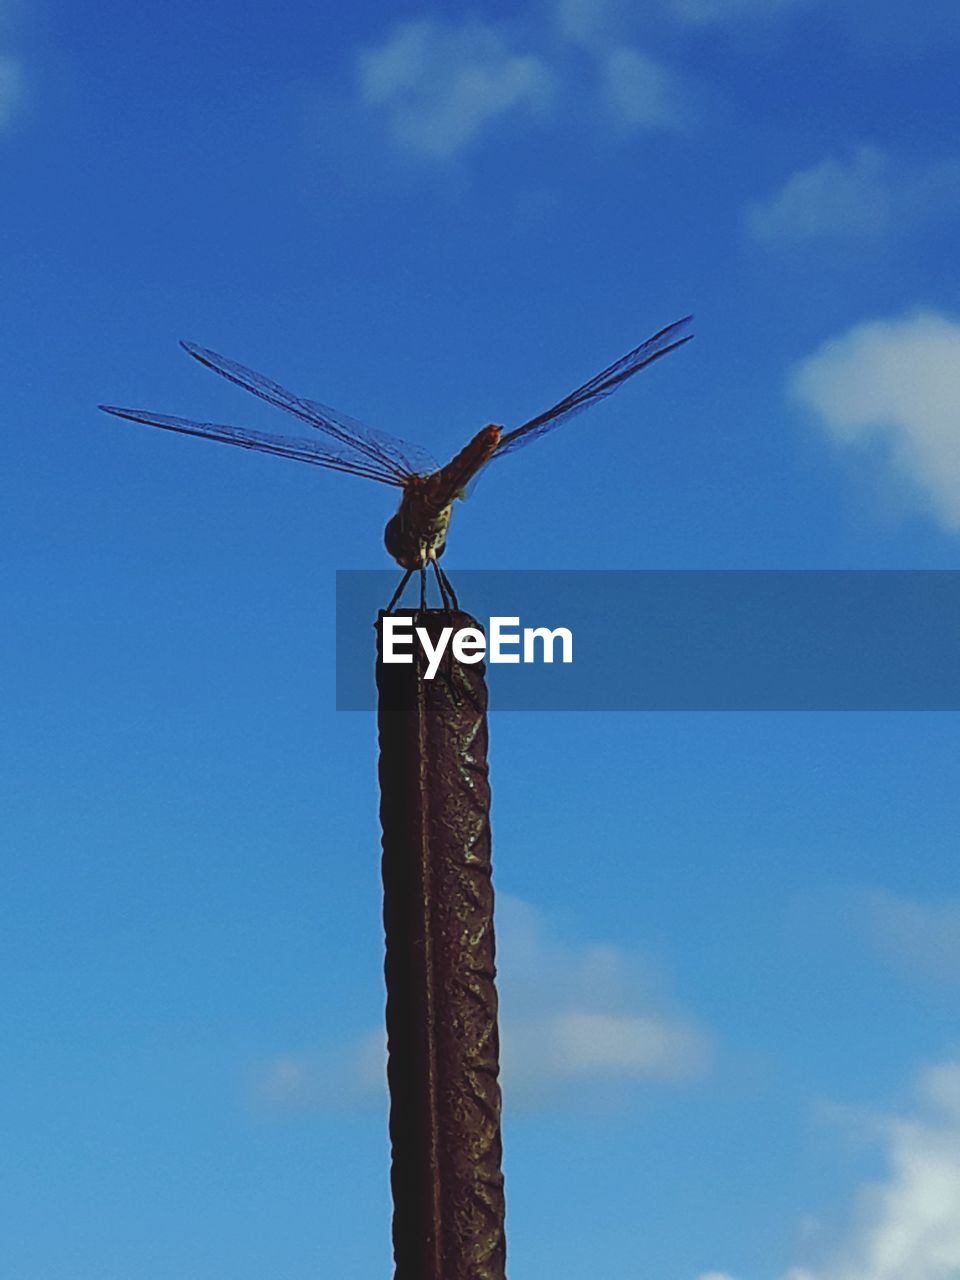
(441, 998)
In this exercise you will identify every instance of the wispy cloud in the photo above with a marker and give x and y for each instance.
(706, 12)
(441, 85)
(583, 1015)
(588, 22)
(907, 1226)
(637, 91)
(642, 93)
(913, 26)
(586, 1013)
(11, 82)
(925, 936)
(333, 1079)
(866, 196)
(895, 383)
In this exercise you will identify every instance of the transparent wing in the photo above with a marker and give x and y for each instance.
(380, 448)
(599, 387)
(262, 442)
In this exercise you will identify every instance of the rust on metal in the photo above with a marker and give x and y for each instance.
(443, 1045)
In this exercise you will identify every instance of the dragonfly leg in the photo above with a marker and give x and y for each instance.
(443, 594)
(399, 591)
(446, 587)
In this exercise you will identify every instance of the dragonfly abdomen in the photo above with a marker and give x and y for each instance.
(452, 479)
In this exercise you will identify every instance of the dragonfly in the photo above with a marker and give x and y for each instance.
(416, 536)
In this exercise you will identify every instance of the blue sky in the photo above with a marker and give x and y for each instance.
(738, 935)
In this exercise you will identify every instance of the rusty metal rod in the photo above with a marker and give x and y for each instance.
(443, 1045)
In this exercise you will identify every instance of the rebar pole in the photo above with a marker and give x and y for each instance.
(443, 1045)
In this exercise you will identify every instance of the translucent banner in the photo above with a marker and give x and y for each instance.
(675, 640)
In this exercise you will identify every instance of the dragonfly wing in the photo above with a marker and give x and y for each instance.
(398, 457)
(599, 387)
(263, 442)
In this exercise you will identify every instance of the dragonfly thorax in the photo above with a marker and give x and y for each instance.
(418, 532)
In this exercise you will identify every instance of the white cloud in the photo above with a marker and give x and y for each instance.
(908, 1226)
(868, 196)
(925, 936)
(441, 85)
(10, 85)
(581, 1014)
(641, 92)
(576, 1044)
(897, 383)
